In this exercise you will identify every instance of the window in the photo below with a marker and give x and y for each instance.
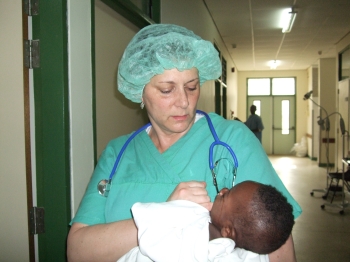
(257, 103)
(344, 64)
(283, 86)
(224, 70)
(259, 87)
(285, 117)
(271, 86)
(139, 12)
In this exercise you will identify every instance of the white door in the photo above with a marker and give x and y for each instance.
(264, 110)
(278, 116)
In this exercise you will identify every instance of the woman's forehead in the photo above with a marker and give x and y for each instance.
(171, 75)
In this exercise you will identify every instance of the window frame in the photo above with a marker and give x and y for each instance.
(342, 63)
(132, 13)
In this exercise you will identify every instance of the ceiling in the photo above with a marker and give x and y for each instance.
(253, 36)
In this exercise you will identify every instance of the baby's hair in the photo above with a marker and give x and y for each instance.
(269, 221)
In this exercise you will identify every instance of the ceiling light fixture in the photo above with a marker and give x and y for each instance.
(288, 20)
(273, 64)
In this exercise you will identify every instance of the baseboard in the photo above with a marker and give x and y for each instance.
(312, 158)
(325, 165)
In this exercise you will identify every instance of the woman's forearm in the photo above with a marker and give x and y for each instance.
(102, 242)
(285, 253)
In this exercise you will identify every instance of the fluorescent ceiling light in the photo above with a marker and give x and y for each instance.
(288, 20)
(273, 64)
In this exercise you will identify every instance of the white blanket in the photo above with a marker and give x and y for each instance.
(179, 231)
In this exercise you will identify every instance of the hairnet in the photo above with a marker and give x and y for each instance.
(159, 47)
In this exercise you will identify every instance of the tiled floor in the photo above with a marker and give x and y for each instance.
(319, 235)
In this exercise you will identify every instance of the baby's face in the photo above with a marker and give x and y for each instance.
(224, 205)
(232, 203)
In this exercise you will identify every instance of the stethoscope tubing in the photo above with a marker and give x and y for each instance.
(121, 152)
(217, 141)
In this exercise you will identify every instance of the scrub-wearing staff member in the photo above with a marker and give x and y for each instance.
(163, 68)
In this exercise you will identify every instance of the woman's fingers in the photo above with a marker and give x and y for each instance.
(207, 205)
(192, 191)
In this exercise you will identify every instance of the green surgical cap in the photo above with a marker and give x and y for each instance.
(160, 47)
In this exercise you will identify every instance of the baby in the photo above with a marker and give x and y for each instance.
(256, 216)
(245, 221)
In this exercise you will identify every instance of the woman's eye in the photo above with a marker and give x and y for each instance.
(192, 88)
(165, 91)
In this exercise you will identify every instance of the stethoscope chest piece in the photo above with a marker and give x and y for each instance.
(103, 187)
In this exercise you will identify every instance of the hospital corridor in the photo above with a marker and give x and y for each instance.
(320, 235)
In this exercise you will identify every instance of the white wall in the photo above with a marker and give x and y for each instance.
(313, 129)
(80, 102)
(301, 105)
(13, 198)
(115, 115)
(327, 99)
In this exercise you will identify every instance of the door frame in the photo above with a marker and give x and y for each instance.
(65, 119)
(27, 137)
(52, 128)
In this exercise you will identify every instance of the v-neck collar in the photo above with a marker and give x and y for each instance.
(172, 156)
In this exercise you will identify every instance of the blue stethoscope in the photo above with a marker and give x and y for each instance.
(105, 184)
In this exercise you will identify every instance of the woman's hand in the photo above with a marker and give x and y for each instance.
(192, 191)
(285, 253)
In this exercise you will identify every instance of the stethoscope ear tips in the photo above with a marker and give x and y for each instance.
(103, 187)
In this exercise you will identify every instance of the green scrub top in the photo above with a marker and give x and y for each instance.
(145, 175)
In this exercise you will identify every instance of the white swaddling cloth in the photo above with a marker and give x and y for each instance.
(179, 231)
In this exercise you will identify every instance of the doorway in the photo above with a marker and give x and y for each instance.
(220, 99)
(276, 106)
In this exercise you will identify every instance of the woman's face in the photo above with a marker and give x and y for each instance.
(171, 100)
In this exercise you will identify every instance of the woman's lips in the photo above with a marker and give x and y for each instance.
(180, 118)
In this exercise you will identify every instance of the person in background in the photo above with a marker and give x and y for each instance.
(254, 123)
(162, 69)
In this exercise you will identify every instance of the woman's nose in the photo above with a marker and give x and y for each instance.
(182, 99)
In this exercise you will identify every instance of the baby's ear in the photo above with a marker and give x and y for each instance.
(228, 232)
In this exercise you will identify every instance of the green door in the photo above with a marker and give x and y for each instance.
(52, 128)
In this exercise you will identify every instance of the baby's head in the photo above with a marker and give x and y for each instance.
(256, 216)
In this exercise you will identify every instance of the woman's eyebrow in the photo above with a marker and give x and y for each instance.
(166, 82)
(173, 82)
(194, 79)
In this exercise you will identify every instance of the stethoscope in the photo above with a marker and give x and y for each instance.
(105, 184)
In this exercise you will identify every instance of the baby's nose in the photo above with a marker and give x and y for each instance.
(223, 191)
